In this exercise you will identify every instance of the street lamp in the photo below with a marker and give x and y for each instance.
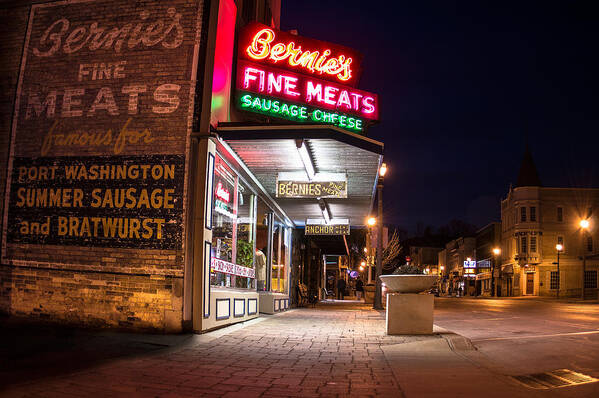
(584, 227)
(496, 253)
(371, 221)
(559, 247)
(378, 294)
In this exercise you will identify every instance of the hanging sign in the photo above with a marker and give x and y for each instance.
(469, 264)
(319, 227)
(311, 189)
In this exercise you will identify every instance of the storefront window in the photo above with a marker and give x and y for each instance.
(234, 231)
(280, 258)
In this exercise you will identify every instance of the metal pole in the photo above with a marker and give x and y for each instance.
(584, 261)
(493, 276)
(559, 278)
(378, 294)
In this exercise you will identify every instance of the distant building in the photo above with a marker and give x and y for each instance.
(534, 219)
(487, 239)
(425, 258)
(451, 261)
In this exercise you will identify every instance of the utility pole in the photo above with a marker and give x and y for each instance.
(378, 293)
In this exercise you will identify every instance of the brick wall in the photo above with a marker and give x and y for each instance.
(105, 85)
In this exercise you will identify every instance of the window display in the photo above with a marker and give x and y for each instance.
(234, 230)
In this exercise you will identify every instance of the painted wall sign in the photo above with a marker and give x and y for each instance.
(313, 189)
(290, 86)
(132, 201)
(339, 229)
(301, 54)
(233, 269)
(99, 132)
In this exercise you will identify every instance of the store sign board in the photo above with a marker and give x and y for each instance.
(304, 89)
(302, 80)
(297, 113)
(270, 46)
(483, 264)
(226, 267)
(327, 229)
(469, 264)
(311, 189)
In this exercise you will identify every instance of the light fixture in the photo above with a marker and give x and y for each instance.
(584, 224)
(496, 251)
(325, 211)
(365, 250)
(302, 149)
(371, 221)
(468, 259)
(363, 264)
(559, 247)
(383, 170)
(361, 268)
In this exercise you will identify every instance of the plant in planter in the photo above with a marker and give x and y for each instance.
(408, 279)
(407, 269)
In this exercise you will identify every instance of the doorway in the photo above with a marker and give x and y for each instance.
(530, 283)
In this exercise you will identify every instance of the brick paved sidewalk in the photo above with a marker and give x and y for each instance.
(331, 350)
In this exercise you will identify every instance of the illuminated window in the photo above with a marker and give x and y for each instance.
(554, 280)
(590, 279)
(233, 231)
(560, 214)
(523, 214)
(533, 244)
(533, 213)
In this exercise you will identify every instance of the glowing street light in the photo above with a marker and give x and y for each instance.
(383, 170)
(584, 227)
(365, 250)
(584, 224)
(496, 253)
(371, 221)
(559, 247)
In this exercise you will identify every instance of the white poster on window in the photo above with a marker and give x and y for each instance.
(226, 267)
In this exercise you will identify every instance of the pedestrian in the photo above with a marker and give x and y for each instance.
(340, 288)
(359, 288)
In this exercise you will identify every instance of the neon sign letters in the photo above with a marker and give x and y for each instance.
(298, 113)
(301, 79)
(332, 62)
(313, 61)
(305, 89)
(222, 193)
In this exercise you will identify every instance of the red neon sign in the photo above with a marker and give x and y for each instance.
(300, 88)
(328, 61)
(222, 193)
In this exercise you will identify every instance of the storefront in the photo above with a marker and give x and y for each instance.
(155, 182)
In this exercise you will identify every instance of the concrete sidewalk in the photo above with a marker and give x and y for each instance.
(333, 350)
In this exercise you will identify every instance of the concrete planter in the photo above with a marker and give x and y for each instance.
(408, 283)
(407, 311)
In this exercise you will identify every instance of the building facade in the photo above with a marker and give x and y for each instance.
(458, 278)
(488, 240)
(534, 220)
(146, 186)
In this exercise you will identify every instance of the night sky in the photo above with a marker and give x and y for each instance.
(463, 86)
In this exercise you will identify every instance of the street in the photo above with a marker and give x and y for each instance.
(333, 350)
(527, 335)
